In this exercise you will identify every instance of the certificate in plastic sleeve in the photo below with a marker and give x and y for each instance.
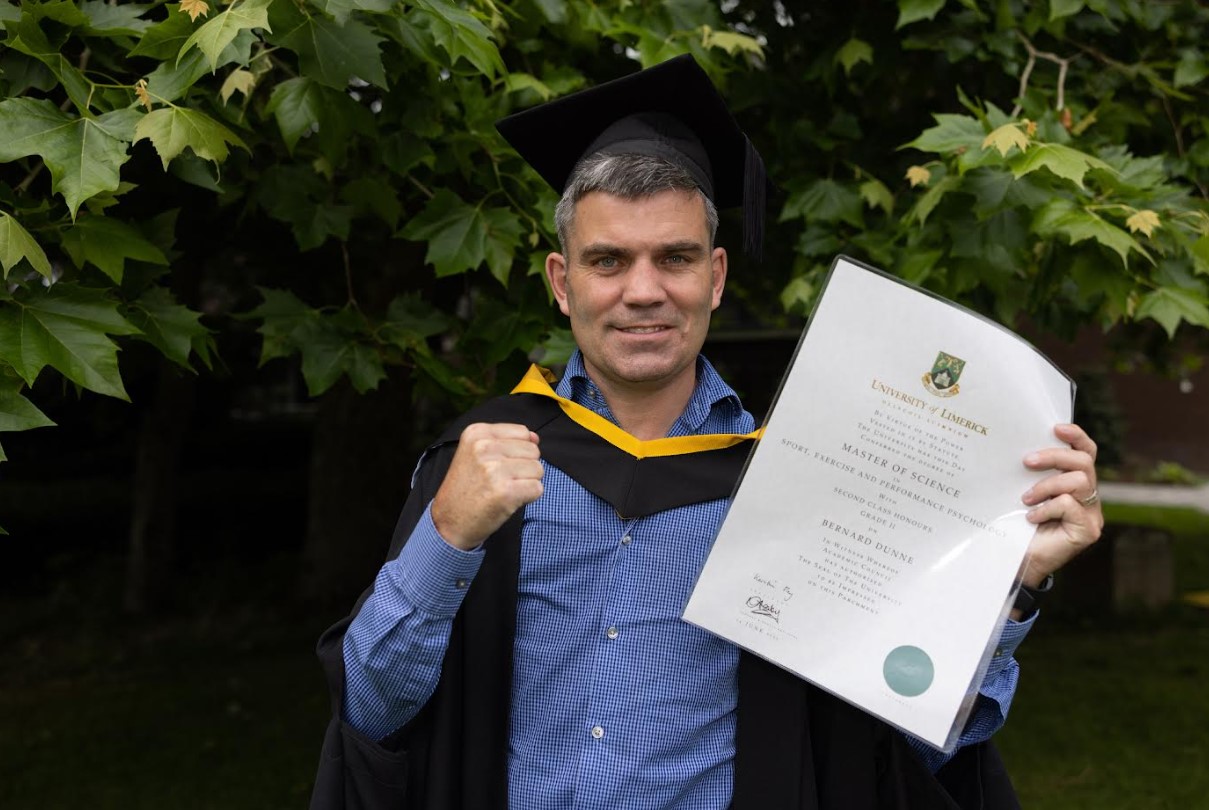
(876, 536)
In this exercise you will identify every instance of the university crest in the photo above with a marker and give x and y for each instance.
(942, 379)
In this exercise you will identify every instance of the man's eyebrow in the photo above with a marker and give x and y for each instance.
(603, 249)
(683, 246)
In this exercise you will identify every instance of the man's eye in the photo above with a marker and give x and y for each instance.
(607, 261)
(676, 258)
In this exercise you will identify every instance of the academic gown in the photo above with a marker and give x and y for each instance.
(797, 747)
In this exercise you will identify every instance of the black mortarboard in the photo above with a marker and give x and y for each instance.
(671, 110)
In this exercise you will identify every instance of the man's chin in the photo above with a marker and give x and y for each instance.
(654, 375)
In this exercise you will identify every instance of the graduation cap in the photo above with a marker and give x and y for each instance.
(672, 111)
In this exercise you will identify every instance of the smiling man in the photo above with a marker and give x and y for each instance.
(523, 645)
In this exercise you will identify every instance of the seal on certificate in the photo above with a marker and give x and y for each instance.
(942, 379)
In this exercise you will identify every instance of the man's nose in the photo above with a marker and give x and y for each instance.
(644, 283)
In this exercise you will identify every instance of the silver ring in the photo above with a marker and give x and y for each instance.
(1092, 499)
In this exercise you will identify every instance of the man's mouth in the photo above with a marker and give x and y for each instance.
(642, 330)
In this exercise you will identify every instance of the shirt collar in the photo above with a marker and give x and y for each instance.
(711, 393)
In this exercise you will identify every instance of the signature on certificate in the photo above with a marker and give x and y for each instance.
(759, 607)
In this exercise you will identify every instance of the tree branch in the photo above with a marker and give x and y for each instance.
(1063, 64)
(348, 275)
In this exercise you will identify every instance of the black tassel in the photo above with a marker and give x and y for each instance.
(755, 185)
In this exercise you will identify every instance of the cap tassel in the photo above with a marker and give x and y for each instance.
(754, 187)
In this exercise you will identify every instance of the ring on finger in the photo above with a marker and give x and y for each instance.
(1092, 499)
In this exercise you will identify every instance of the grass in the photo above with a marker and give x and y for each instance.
(1111, 718)
(220, 709)
(225, 707)
(1112, 712)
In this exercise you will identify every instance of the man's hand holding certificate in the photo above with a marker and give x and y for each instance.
(878, 531)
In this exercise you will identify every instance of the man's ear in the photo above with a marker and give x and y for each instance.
(556, 274)
(718, 261)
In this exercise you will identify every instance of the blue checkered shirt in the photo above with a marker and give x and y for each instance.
(616, 702)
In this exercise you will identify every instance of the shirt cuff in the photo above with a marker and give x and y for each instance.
(1013, 633)
(431, 574)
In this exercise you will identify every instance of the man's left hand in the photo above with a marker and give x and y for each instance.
(1065, 505)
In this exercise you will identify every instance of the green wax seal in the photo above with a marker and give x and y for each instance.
(908, 671)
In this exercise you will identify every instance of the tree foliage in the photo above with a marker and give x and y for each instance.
(331, 168)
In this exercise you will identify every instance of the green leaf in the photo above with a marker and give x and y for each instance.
(295, 194)
(195, 171)
(283, 316)
(460, 35)
(1191, 69)
(327, 353)
(27, 37)
(8, 14)
(910, 11)
(951, 133)
(456, 233)
(1064, 8)
(503, 237)
(84, 155)
(876, 195)
(17, 412)
(115, 19)
(1200, 254)
(555, 11)
(517, 81)
(172, 328)
(825, 201)
(303, 107)
(402, 152)
(798, 295)
(214, 37)
(165, 39)
(171, 129)
(852, 53)
(65, 327)
(1170, 305)
(16, 244)
(170, 80)
(1068, 163)
(932, 197)
(557, 348)
(372, 195)
(1063, 217)
(328, 52)
(107, 243)
(297, 105)
(410, 320)
(917, 265)
(341, 9)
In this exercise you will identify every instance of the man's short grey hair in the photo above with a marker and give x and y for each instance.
(630, 177)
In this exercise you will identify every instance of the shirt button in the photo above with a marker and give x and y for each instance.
(461, 583)
(597, 732)
(611, 632)
(625, 540)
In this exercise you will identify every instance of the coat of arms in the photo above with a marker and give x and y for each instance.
(942, 379)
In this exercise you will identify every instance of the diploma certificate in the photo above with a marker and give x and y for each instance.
(877, 533)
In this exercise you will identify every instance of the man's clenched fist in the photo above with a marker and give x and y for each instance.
(495, 471)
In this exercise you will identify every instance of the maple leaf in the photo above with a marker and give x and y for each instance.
(239, 81)
(194, 8)
(1006, 137)
(1145, 221)
(918, 175)
(17, 244)
(140, 91)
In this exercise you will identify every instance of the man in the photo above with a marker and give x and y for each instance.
(523, 646)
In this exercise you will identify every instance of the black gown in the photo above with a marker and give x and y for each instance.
(797, 747)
